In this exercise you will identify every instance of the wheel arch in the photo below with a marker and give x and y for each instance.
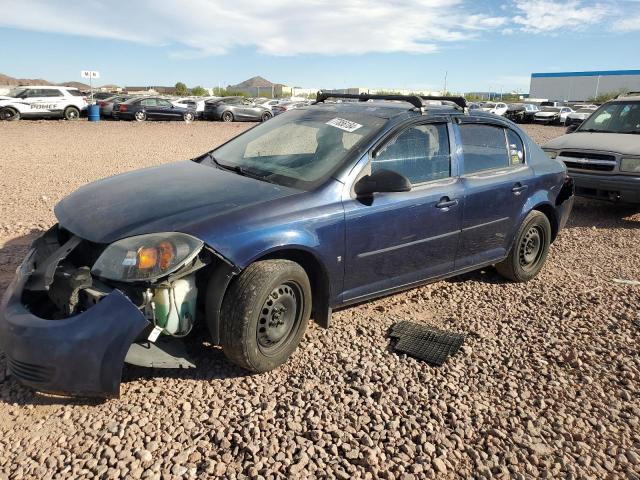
(222, 274)
(550, 212)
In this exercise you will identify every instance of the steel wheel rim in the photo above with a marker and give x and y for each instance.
(278, 318)
(139, 116)
(531, 247)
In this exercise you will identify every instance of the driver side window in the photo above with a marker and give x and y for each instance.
(420, 153)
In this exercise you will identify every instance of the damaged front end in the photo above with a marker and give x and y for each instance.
(76, 310)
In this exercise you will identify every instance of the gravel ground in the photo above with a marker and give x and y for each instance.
(545, 386)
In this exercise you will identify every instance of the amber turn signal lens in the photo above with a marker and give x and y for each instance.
(147, 258)
(166, 255)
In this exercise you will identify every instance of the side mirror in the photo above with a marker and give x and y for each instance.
(572, 128)
(382, 181)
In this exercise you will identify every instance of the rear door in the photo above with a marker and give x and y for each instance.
(496, 180)
(395, 239)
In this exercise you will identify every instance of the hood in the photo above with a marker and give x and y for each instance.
(581, 116)
(160, 199)
(547, 114)
(624, 144)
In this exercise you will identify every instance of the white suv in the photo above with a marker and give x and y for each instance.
(42, 102)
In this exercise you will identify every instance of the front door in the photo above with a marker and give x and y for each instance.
(395, 239)
(496, 180)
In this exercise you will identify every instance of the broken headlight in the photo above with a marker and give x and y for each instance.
(146, 257)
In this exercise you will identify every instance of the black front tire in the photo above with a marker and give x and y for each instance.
(266, 116)
(9, 114)
(71, 113)
(529, 250)
(265, 314)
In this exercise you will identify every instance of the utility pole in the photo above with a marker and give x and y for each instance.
(445, 83)
(597, 86)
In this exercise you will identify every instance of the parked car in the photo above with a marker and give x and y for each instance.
(195, 103)
(495, 108)
(152, 108)
(521, 112)
(106, 105)
(98, 96)
(286, 106)
(603, 154)
(236, 109)
(552, 115)
(263, 233)
(42, 102)
(575, 118)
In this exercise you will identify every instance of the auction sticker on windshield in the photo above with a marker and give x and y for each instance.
(342, 124)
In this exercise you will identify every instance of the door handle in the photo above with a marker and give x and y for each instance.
(518, 188)
(445, 203)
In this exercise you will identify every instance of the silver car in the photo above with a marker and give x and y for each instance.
(106, 105)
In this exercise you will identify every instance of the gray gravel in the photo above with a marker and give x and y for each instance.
(545, 386)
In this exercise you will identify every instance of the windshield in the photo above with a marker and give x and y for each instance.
(550, 109)
(585, 110)
(300, 149)
(616, 117)
(15, 92)
(489, 105)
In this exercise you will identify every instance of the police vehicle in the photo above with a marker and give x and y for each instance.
(42, 102)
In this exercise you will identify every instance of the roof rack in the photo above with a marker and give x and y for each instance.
(415, 100)
(459, 101)
(363, 97)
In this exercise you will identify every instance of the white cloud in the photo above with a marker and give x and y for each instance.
(194, 28)
(553, 16)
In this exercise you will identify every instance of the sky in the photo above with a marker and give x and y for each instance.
(479, 45)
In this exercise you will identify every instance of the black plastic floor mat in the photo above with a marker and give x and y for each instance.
(426, 343)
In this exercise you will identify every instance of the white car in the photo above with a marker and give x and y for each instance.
(580, 115)
(194, 102)
(268, 103)
(42, 102)
(550, 115)
(498, 108)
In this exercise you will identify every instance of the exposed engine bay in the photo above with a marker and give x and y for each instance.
(72, 275)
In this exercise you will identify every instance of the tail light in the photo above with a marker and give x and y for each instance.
(122, 108)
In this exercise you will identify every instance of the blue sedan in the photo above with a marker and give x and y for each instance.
(329, 205)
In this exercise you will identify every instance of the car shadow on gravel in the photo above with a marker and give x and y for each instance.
(484, 275)
(588, 213)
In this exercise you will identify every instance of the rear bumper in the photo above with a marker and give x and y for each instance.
(615, 188)
(80, 355)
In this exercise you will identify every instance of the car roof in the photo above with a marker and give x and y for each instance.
(47, 87)
(632, 98)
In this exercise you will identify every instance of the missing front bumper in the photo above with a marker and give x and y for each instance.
(80, 355)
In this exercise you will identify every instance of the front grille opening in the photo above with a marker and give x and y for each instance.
(30, 372)
(589, 166)
(589, 156)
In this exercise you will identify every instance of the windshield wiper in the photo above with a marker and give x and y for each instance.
(240, 170)
(595, 130)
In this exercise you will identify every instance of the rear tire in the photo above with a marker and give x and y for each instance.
(9, 114)
(529, 250)
(227, 117)
(71, 113)
(265, 314)
(140, 116)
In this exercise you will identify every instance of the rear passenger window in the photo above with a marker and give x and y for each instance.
(148, 102)
(420, 153)
(51, 92)
(484, 147)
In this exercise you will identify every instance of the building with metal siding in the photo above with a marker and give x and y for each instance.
(580, 86)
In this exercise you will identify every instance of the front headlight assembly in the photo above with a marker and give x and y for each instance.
(630, 165)
(146, 257)
(551, 154)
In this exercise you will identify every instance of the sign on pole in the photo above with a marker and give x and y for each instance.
(90, 74)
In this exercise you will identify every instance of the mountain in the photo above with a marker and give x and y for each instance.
(10, 81)
(254, 82)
